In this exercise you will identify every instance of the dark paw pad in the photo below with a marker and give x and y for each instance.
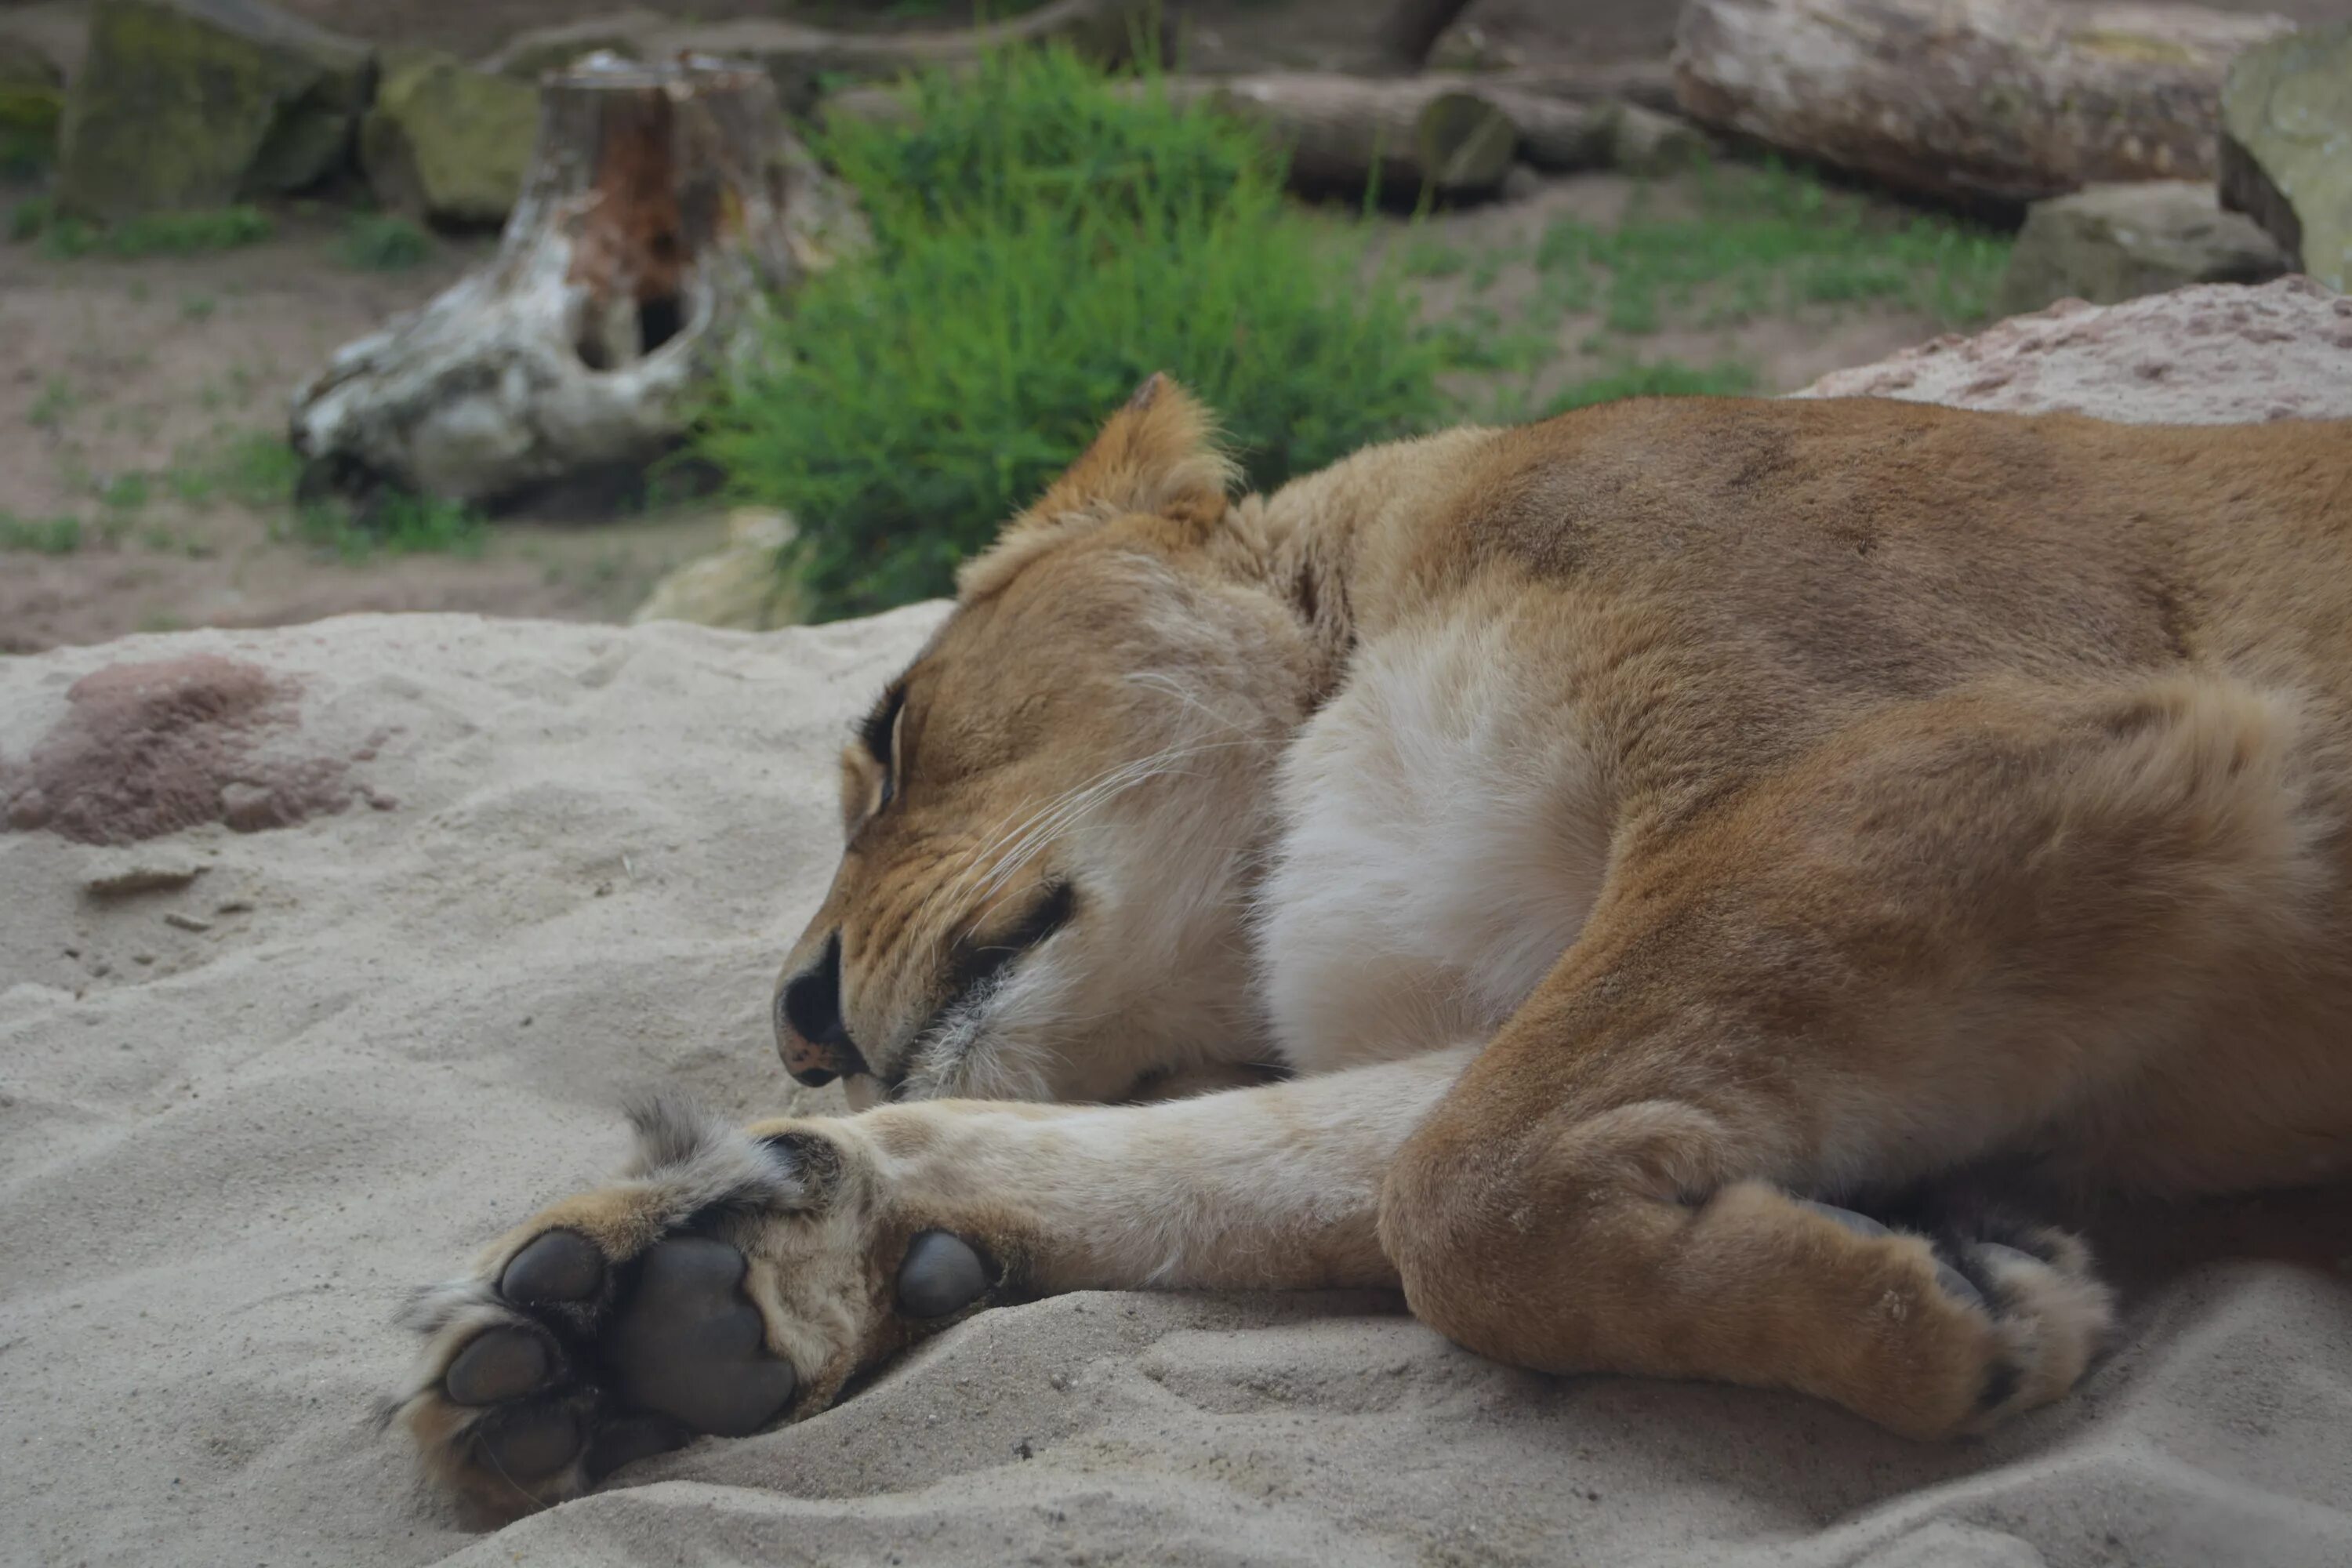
(687, 1345)
(942, 1274)
(503, 1365)
(561, 1266)
(533, 1442)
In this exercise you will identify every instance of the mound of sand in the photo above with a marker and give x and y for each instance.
(327, 953)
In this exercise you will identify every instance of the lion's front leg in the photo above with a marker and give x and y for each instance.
(735, 1279)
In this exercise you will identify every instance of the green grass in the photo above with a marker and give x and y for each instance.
(382, 243)
(1768, 241)
(28, 218)
(393, 524)
(150, 233)
(125, 492)
(1426, 255)
(57, 400)
(1044, 242)
(250, 467)
(44, 536)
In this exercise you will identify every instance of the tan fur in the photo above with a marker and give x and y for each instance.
(1634, 824)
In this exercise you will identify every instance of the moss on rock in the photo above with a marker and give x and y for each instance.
(196, 103)
(448, 142)
(2286, 146)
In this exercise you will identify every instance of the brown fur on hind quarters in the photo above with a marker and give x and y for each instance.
(1631, 928)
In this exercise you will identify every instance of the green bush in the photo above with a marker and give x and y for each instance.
(1045, 238)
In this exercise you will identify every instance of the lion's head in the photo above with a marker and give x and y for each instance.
(1052, 816)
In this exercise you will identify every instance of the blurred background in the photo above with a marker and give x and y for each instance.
(770, 312)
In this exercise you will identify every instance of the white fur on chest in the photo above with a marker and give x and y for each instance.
(1446, 829)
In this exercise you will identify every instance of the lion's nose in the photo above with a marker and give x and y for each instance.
(810, 1035)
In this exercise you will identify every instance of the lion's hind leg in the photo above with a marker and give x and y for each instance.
(1966, 925)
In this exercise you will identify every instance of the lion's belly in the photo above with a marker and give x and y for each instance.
(1444, 836)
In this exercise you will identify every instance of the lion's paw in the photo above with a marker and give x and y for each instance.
(730, 1282)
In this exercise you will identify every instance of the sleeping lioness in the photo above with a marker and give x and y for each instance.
(1637, 868)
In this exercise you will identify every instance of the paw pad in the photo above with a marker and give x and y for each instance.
(561, 1266)
(687, 1345)
(503, 1365)
(942, 1274)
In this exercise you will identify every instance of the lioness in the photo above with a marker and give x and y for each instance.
(1651, 843)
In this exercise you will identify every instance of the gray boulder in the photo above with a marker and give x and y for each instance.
(196, 103)
(448, 142)
(2111, 243)
(2286, 147)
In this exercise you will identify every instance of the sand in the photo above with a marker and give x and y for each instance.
(427, 896)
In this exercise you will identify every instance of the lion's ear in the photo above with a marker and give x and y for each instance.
(1158, 454)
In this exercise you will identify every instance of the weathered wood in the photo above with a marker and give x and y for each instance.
(664, 207)
(1454, 133)
(1973, 100)
(1423, 134)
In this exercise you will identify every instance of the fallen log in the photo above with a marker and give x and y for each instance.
(1455, 135)
(1968, 101)
(1421, 134)
(664, 205)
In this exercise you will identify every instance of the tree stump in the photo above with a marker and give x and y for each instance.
(1996, 102)
(665, 206)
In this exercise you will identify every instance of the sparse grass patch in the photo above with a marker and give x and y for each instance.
(50, 408)
(395, 524)
(125, 492)
(150, 233)
(250, 467)
(382, 242)
(28, 218)
(1045, 242)
(42, 536)
(1426, 255)
(1772, 239)
(197, 307)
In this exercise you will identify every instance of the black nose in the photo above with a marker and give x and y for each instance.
(810, 1035)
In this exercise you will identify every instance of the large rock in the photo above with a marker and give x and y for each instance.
(448, 142)
(2217, 354)
(195, 103)
(2286, 147)
(2116, 242)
